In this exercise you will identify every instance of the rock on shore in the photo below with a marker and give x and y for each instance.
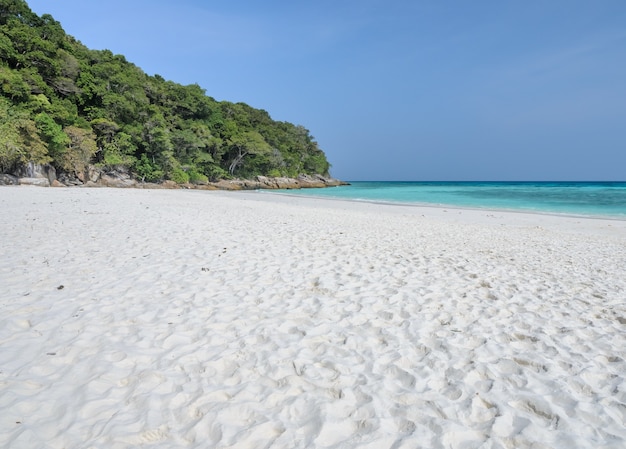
(46, 176)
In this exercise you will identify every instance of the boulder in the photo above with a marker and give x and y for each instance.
(41, 182)
(149, 185)
(265, 182)
(8, 180)
(69, 180)
(170, 185)
(225, 184)
(286, 183)
(32, 170)
(307, 181)
(329, 182)
(113, 181)
(116, 177)
(93, 173)
(208, 186)
(250, 184)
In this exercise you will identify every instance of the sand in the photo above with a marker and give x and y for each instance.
(170, 318)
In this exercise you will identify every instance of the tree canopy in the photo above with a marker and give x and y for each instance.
(65, 104)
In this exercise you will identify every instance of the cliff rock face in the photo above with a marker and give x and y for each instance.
(31, 174)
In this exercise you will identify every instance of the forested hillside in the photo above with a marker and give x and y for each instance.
(70, 106)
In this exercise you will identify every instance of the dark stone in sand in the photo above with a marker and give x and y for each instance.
(8, 180)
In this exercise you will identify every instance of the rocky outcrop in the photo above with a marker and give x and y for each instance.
(301, 182)
(264, 182)
(117, 178)
(8, 180)
(32, 170)
(41, 182)
(46, 176)
(308, 181)
(32, 174)
(67, 179)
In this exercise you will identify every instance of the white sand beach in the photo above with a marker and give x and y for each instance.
(193, 319)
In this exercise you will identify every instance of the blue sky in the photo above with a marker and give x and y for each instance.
(398, 89)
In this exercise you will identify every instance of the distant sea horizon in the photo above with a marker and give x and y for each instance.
(579, 198)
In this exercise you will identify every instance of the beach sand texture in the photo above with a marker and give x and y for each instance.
(170, 318)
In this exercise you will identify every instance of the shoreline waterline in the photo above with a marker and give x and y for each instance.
(289, 193)
(599, 199)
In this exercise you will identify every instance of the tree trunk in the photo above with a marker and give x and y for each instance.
(236, 162)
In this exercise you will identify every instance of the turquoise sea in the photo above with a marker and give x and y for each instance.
(605, 199)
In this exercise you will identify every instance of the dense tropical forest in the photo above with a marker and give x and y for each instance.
(69, 106)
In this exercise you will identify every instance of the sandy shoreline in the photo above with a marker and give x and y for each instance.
(168, 318)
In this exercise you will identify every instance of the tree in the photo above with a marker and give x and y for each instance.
(115, 148)
(14, 9)
(147, 170)
(52, 133)
(13, 86)
(19, 139)
(81, 148)
(244, 144)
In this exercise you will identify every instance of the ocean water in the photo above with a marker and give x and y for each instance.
(605, 199)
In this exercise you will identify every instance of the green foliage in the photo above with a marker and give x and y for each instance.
(148, 170)
(196, 177)
(20, 141)
(216, 173)
(54, 137)
(13, 86)
(247, 144)
(179, 176)
(65, 103)
(114, 147)
(80, 150)
(115, 159)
